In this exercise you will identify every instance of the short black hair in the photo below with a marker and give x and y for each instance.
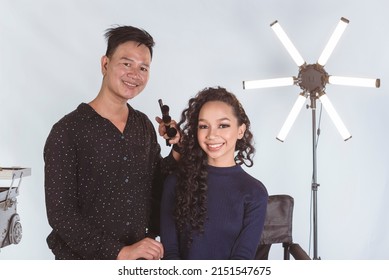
(121, 34)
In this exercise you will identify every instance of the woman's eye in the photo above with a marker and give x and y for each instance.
(224, 125)
(202, 126)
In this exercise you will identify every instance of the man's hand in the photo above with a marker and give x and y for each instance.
(147, 248)
(162, 130)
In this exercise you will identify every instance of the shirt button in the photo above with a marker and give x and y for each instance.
(125, 158)
(122, 137)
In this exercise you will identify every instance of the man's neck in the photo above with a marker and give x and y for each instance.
(114, 110)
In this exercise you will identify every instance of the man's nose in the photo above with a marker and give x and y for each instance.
(133, 72)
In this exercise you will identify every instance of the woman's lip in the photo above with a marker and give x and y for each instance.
(214, 146)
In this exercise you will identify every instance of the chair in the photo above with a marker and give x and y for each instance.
(278, 229)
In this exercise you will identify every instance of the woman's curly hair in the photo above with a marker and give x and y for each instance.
(191, 191)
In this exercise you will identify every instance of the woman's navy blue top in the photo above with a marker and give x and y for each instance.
(236, 209)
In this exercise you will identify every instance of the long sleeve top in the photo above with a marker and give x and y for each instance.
(100, 182)
(236, 208)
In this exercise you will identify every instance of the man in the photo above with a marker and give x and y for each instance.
(103, 168)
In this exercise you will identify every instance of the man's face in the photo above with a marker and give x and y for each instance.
(126, 73)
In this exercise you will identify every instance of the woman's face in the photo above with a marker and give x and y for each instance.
(217, 133)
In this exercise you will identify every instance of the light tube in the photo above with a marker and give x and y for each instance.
(278, 82)
(294, 53)
(348, 81)
(335, 117)
(291, 117)
(333, 41)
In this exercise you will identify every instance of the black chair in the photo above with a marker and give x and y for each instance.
(278, 229)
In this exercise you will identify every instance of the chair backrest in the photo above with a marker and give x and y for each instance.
(278, 229)
(278, 221)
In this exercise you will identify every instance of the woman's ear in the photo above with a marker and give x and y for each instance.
(241, 131)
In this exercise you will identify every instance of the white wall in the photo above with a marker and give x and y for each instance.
(49, 63)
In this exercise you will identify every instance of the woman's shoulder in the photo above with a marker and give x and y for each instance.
(170, 183)
(253, 185)
(171, 179)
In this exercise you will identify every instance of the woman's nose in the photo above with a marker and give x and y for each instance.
(212, 133)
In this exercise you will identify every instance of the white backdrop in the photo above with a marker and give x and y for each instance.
(50, 62)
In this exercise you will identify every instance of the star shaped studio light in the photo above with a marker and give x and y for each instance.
(312, 79)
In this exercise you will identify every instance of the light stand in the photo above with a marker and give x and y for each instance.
(312, 79)
(314, 185)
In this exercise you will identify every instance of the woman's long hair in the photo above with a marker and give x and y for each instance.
(191, 198)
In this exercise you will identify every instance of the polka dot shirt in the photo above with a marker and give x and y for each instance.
(99, 183)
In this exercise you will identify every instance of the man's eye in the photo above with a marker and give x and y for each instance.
(127, 64)
(224, 125)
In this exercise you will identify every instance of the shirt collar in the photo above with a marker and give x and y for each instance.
(86, 110)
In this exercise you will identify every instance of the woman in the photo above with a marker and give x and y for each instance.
(211, 208)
